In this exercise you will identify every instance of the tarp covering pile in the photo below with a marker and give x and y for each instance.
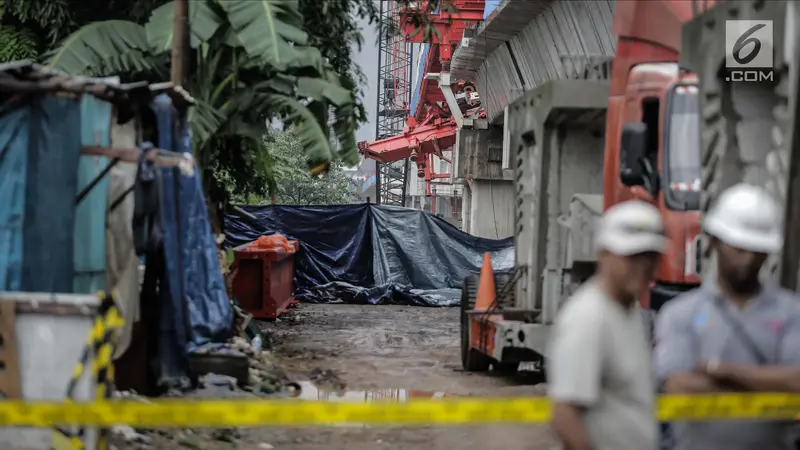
(374, 254)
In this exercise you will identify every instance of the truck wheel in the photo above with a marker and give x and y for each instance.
(471, 359)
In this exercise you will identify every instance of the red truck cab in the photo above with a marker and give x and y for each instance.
(652, 134)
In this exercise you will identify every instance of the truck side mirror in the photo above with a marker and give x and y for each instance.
(631, 151)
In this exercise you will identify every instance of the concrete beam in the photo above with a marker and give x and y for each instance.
(561, 100)
(569, 39)
(508, 19)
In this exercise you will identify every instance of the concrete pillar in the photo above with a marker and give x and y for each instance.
(466, 209)
(490, 209)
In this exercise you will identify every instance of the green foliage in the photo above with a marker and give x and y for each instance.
(17, 44)
(418, 14)
(331, 28)
(46, 19)
(102, 48)
(33, 27)
(281, 171)
(251, 61)
(240, 47)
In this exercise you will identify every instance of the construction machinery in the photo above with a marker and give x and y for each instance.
(425, 128)
(648, 108)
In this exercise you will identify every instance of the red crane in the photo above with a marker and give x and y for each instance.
(431, 128)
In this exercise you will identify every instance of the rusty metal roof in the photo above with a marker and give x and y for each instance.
(508, 19)
(28, 76)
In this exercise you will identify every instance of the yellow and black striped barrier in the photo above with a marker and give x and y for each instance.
(99, 349)
(428, 412)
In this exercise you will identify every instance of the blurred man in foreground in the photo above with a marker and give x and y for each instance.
(599, 362)
(734, 333)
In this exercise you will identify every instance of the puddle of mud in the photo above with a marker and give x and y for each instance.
(306, 390)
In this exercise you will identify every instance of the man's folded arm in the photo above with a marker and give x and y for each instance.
(675, 356)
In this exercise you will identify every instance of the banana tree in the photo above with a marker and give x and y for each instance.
(250, 64)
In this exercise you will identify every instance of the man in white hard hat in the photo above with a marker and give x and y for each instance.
(735, 332)
(599, 367)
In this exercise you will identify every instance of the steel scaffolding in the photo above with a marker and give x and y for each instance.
(394, 98)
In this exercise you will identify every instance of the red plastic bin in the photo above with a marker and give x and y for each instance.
(264, 280)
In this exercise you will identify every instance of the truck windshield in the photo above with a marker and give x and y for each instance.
(683, 150)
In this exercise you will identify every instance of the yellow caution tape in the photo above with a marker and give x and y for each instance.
(453, 411)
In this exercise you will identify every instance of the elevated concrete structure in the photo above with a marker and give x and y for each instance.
(488, 194)
(523, 44)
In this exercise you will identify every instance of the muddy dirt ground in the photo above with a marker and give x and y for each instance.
(369, 348)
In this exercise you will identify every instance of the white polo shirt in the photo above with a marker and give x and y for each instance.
(599, 357)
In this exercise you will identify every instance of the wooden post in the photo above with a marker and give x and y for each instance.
(10, 386)
(180, 42)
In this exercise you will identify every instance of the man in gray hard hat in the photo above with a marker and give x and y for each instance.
(600, 367)
(734, 333)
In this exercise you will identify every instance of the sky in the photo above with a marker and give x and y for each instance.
(367, 58)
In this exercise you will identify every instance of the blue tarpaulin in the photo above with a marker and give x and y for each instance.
(190, 249)
(373, 254)
(39, 151)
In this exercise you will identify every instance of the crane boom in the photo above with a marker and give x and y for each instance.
(430, 129)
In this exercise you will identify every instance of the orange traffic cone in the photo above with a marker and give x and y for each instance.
(486, 289)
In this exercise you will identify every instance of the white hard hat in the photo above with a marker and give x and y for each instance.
(630, 228)
(745, 217)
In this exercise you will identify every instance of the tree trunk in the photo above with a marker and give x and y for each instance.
(180, 44)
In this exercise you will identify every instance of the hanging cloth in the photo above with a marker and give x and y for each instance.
(122, 265)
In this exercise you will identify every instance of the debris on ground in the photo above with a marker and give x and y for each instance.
(130, 436)
(220, 379)
(240, 368)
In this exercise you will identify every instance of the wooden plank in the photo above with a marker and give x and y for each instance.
(160, 157)
(9, 363)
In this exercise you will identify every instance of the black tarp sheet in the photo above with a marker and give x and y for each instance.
(366, 253)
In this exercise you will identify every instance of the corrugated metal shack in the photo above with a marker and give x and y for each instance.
(78, 215)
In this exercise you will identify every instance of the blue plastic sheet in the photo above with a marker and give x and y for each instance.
(13, 170)
(373, 254)
(199, 312)
(90, 213)
(39, 151)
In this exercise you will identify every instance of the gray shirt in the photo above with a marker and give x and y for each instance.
(599, 357)
(691, 329)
